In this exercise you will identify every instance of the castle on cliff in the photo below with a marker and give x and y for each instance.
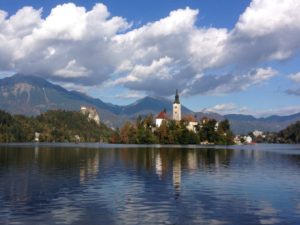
(91, 113)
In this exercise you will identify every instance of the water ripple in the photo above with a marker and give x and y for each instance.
(150, 186)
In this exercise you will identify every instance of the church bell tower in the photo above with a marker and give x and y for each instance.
(176, 108)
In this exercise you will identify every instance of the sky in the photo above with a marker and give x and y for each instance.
(225, 56)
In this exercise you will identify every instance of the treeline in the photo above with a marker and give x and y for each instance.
(69, 126)
(289, 135)
(143, 131)
(52, 126)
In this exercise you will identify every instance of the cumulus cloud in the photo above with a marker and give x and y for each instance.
(72, 70)
(92, 47)
(70, 44)
(220, 84)
(222, 107)
(130, 95)
(229, 108)
(295, 77)
(267, 30)
(158, 69)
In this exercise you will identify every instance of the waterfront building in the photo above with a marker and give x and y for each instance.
(37, 137)
(257, 133)
(248, 139)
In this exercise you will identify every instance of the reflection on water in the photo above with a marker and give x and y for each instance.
(177, 174)
(148, 186)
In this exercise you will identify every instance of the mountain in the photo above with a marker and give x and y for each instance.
(30, 95)
(151, 105)
(243, 124)
(210, 115)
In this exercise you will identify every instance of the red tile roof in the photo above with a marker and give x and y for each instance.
(162, 115)
(189, 118)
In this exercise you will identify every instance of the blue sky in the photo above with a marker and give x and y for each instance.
(143, 11)
(227, 56)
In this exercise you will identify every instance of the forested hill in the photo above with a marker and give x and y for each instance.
(71, 126)
(291, 134)
(53, 126)
(30, 95)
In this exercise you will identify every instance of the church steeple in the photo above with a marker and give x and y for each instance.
(177, 98)
(176, 108)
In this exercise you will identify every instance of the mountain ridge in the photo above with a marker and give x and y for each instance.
(31, 95)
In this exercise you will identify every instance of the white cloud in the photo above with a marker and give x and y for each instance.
(75, 45)
(231, 108)
(70, 42)
(4, 73)
(158, 69)
(220, 84)
(266, 17)
(262, 74)
(228, 108)
(64, 22)
(295, 77)
(220, 108)
(206, 48)
(21, 24)
(72, 70)
(267, 30)
(129, 95)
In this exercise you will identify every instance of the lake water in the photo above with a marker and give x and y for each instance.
(130, 185)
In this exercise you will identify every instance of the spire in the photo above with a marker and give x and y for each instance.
(177, 97)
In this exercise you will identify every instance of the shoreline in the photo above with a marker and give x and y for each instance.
(107, 145)
(97, 145)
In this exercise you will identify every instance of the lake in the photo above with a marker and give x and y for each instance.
(91, 184)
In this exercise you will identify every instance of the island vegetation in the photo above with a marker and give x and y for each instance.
(144, 131)
(69, 126)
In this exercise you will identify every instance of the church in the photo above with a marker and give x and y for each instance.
(176, 108)
(176, 115)
(162, 116)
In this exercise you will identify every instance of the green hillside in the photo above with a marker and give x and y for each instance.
(291, 134)
(53, 126)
